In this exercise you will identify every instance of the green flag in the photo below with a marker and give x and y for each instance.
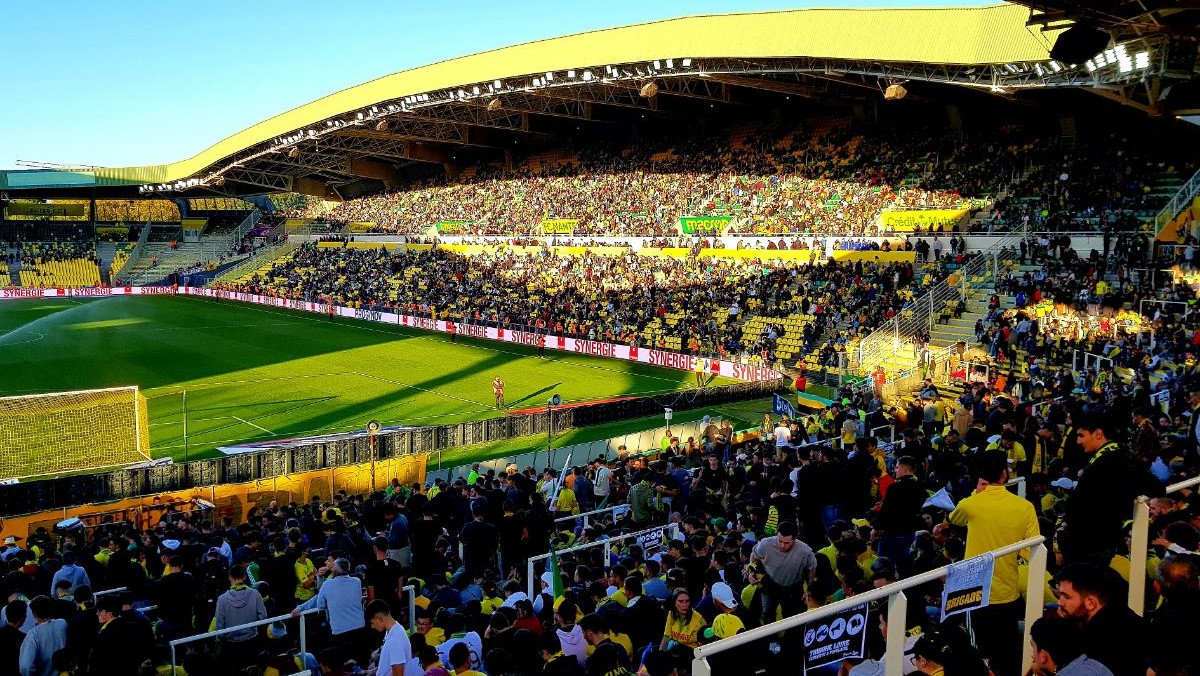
(556, 587)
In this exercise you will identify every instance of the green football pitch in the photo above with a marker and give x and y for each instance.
(253, 373)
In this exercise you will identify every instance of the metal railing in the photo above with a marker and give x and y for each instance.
(887, 340)
(897, 607)
(587, 516)
(1139, 544)
(135, 255)
(258, 259)
(669, 530)
(249, 625)
(1179, 201)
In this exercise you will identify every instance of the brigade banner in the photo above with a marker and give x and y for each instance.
(361, 226)
(559, 226)
(704, 225)
(968, 585)
(45, 210)
(923, 218)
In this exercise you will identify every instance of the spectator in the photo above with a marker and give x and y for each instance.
(1058, 649)
(237, 606)
(995, 518)
(396, 652)
(341, 599)
(1113, 635)
(787, 564)
(47, 637)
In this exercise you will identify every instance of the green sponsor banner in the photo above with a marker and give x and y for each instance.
(559, 226)
(452, 227)
(704, 225)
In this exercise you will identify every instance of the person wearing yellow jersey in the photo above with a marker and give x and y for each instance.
(1012, 448)
(306, 576)
(995, 518)
(434, 636)
(684, 624)
(726, 623)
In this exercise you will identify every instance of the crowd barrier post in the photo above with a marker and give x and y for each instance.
(410, 592)
(1139, 545)
(106, 592)
(897, 606)
(1020, 483)
(219, 632)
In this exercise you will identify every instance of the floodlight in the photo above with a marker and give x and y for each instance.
(657, 65)
(687, 63)
(1141, 60)
(549, 77)
(1055, 66)
(587, 76)
(570, 73)
(670, 63)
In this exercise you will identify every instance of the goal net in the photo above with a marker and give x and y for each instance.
(43, 434)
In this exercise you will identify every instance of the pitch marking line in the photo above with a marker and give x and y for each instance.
(422, 389)
(247, 422)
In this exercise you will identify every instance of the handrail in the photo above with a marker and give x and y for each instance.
(529, 583)
(885, 341)
(586, 515)
(1177, 203)
(897, 606)
(1139, 544)
(258, 623)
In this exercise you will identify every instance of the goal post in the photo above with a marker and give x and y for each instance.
(59, 432)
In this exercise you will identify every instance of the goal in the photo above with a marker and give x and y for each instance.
(60, 432)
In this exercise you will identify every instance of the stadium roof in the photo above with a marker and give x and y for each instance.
(488, 100)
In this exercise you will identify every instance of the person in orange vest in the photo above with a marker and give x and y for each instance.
(541, 345)
(452, 329)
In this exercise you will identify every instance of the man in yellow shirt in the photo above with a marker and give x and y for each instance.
(1012, 448)
(996, 518)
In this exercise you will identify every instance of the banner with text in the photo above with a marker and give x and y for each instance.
(922, 218)
(559, 226)
(829, 641)
(968, 585)
(704, 225)
(45, 210)
(452, 227)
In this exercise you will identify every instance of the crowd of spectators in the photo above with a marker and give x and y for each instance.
(811, 511)
(779, 180)
(695, 305)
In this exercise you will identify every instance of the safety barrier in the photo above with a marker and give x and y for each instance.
(667, 531)
(897, 607)
(615, 510)
(249, 625)
(1139, 545)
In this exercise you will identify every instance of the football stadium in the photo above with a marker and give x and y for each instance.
(821, 341)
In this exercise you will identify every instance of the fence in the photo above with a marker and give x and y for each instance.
(69, 491)
(249, 625)
(885, 341)
(897, 607)
(1139, 545)
(663, 533)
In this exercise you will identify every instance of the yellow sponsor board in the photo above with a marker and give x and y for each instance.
(361, 226)
(559, 226)
(45, 210)
(924, 219)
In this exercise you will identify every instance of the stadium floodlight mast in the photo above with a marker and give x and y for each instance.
(372, 430)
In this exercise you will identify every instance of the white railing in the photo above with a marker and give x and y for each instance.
(258, 259)
(896, 611)
(1179, 201)
(668, 531)
(249, 625)
(587, 516)
(1139, 545)
(921, 315)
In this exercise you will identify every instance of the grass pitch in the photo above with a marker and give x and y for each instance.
(252, 373)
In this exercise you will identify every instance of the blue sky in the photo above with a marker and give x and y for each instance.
(133, 82)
